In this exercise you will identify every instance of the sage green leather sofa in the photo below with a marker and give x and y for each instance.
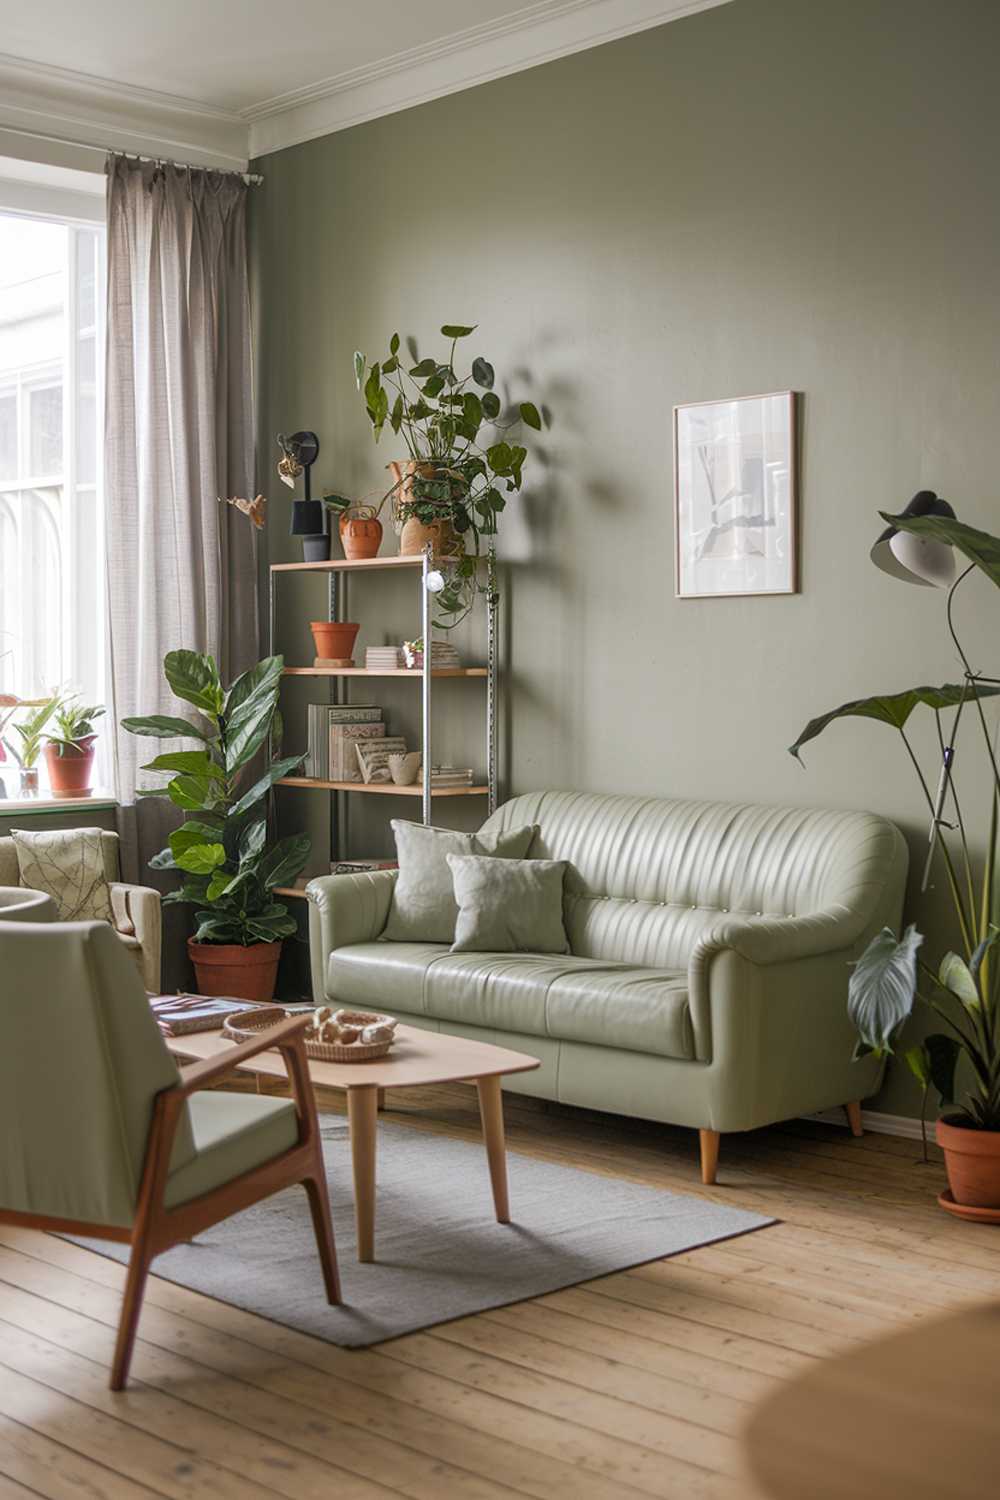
(707, 979)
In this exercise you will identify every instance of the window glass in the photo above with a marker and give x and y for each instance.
(45, 418)
(8, 434)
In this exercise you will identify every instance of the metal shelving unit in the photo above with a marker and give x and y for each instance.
(339, 571)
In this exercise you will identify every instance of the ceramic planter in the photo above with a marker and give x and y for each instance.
(316, 548)
(440, 535)
(334, 640)
(230, 969)
(360, 535)
(972, 1161)
(70, 773)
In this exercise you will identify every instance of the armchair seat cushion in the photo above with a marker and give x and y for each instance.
(561, 996)
(232, 1133)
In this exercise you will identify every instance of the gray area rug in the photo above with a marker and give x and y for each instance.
(440, 1252)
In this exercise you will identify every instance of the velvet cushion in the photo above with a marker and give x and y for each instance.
(423, 906)
(509, 905)
(68, 865)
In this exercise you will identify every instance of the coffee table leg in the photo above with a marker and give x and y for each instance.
(491, 1114)
(362, 1111)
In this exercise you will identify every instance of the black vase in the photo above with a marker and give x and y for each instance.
(316, 548)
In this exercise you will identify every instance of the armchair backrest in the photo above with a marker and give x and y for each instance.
(648, 877)
(19, 903)
(81, 1061)
(10, 873)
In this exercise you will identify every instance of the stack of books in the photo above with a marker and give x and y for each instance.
(452, 776)
(334, 730)
(443, 655)
(361, 866)
(383, 658)
(177, 1015)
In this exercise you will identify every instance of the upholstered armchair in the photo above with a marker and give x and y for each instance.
(19, 904)
(136, 908)
(102, 1135)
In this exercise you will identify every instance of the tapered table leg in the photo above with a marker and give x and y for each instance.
(362, 1111)
(491, 1113)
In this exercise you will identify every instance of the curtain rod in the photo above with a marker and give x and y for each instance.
(252, 179)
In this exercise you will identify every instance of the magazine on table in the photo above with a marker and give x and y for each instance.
(177, 1015)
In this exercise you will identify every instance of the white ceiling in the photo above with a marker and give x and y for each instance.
(218, 80)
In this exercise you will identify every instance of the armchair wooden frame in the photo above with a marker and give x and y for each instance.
(156, 1228)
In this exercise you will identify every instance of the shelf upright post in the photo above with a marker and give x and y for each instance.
(492, 605)
(425, 627)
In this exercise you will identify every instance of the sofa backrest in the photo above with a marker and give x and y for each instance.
(647, 878)
(9, 869)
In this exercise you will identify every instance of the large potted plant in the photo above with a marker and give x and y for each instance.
(228, 866)
(961, 993)
(449, 492)
(69, 749)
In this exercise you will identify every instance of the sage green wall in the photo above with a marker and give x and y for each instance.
(773, 194)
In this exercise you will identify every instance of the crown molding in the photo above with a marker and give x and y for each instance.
(62, 105)
(536, 34)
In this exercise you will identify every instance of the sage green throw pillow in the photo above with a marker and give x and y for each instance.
(423, 906)
(68, 864)
(508, 905)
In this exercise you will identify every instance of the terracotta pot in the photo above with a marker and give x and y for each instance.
(230, 969)
(70, 773)
(972, 1161)
(360, 535)
(441, 535)
(334, 639)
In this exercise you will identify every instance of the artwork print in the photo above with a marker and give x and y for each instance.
(735, 496)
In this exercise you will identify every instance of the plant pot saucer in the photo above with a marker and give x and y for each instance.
(333, 661)
(967, 1211)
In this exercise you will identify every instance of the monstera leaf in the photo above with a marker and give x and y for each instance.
(978, 546)
(882, 988)
(892, 708)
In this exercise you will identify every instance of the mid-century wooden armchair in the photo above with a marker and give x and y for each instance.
(102, 1135)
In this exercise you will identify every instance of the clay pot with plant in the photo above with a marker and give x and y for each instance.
(358, 524)
(30, 732)
(228, 866)
(961, 993)
(450, 491)
(69, 752)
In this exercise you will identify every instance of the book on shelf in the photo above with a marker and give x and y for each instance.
(361, 866)
(361, 719)
(372, 758)
(452, 776)
(177, 1015)
(383, 658)
(341, 760)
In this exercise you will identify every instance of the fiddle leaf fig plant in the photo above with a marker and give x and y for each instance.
(890, 979)
(227, 865)
(455, 429)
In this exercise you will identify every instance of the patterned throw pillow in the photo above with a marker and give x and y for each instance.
(68, 864)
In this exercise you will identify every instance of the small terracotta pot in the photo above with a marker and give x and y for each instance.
(230, 969)
(70, 773)
(360, 536)
(972, 1161)
(334, 639)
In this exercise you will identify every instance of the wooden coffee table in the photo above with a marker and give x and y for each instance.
(417, 1057)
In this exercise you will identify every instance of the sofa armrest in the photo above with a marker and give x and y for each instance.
(778, 940)
(136, 910)
(345, 909)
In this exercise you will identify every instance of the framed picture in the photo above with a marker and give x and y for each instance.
(735, 497)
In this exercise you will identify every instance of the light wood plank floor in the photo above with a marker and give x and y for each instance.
(635, 1385)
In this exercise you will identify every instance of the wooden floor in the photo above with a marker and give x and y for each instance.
(635, 1385)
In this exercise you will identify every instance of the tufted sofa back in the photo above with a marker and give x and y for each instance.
(647, 878)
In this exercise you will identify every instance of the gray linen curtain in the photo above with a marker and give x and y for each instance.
(178, 434)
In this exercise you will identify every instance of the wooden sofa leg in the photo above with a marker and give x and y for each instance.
(854, 1117)
(709, 1141)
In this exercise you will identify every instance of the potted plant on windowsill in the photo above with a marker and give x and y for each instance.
(228, 866)
(69, 753)
(449, 493)
(31, 737)
(962, 993)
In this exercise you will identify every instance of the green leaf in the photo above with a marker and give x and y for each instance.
(472, 409)
(390, 365)
(372, 386)
(256, 684)
(425, 367)
(272, 929)
(942, 1054)
(202, 859)
(433, 387)
(483, 373)
(980, 547)
(163, 861)
(193, 793)
(919, 1064)
(394, 344)
(284, 861)
(216, 929)
(954, 976)
(274, 772)
(249, 728)
(891, 708)
(530, 415)
(491, 405)
(396, 415)
(458, 330)
(193, 889)
(499, 457)
(195, 678)
(252, 842)
(359, 367)
(163, 727)
(194, 762)
(883, 986)
(190, 834)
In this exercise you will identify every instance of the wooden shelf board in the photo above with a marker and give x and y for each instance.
(416, 672)
(384, 788)
(343, 564)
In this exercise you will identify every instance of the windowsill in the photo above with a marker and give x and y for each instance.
(44, 802)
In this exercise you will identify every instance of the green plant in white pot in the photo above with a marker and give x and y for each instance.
(229, 867)
(962, 991)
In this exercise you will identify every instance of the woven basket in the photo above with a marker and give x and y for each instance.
(247, 1026)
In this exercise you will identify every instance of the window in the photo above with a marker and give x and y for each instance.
(52, 632)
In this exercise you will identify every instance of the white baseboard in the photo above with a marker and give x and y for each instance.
(877, 1122)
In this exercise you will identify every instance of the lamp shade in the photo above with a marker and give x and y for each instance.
(307, 518)
(917, 559)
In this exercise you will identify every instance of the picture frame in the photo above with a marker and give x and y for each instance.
(736, 497)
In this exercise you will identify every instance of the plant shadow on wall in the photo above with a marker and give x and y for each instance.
(962, 992)
(228, 868)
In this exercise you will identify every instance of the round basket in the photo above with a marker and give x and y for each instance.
(353, 1052)
(245, 1026)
